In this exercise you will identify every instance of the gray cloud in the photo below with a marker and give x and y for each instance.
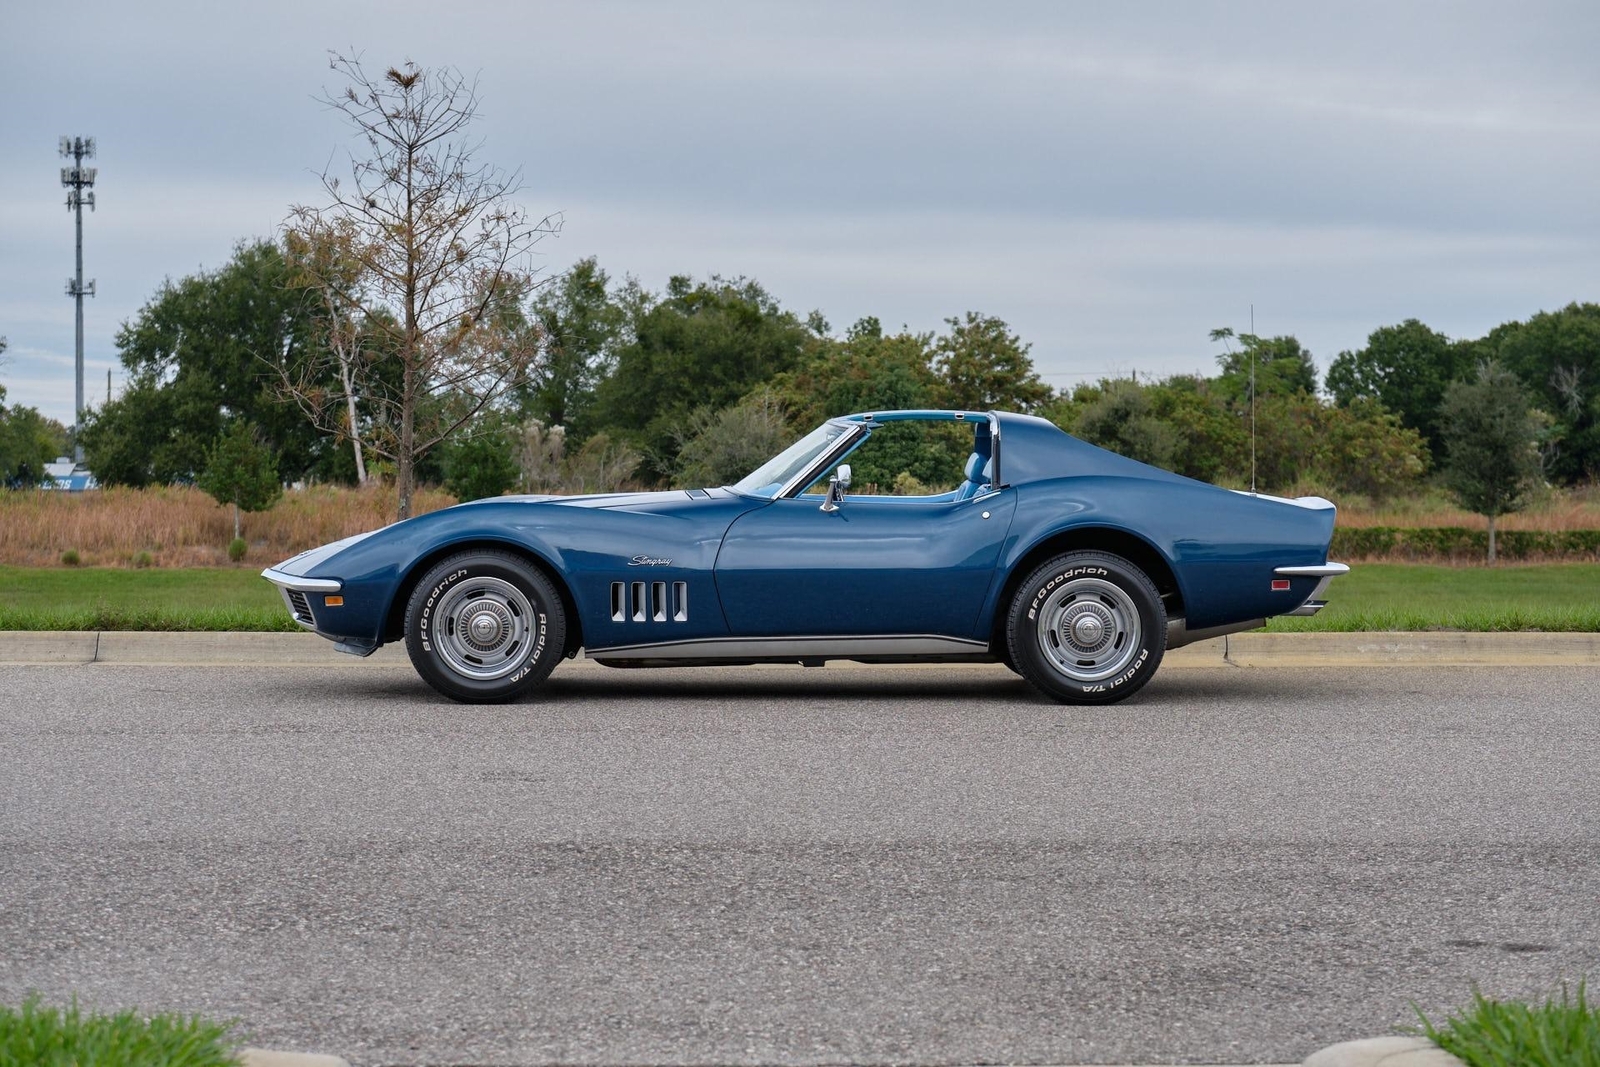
(1112, 182)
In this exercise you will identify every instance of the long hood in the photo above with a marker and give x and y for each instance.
(642, 501)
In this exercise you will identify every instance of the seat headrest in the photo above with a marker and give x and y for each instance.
(977, 469)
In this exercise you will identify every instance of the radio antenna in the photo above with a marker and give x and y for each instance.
(1252, 401)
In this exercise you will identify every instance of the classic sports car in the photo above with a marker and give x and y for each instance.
(1075, 566)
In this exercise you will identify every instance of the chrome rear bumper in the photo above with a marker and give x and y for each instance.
(1326, 571)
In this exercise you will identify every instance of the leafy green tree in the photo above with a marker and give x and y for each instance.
(870, 371)
(866, 371)
(240, 470)
(911, 458)
(154, 433)
(1119, 417)
(983, 366)
(1181, 423)
(26, 444)
(1187, 426)
(579, 324)
(1491, 440)
(1406, 368)
(28, 441)
(1282, 366)
(719, 448)
(1213, 440)
(702, 345)
(1362, 448)
(203, 350)
(1556, 354)
(482, 462)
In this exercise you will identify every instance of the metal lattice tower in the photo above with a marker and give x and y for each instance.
(77, 178)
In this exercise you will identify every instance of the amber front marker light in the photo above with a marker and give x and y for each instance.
(333, 601)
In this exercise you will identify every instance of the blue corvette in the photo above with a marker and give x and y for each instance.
(1075, 566)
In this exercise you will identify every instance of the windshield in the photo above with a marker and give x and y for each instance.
(767, 479)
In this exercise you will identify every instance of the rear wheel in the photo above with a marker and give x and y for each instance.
(1087, 628)
(484, 627)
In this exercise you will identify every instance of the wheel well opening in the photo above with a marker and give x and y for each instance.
(1129, 546)
(394, 625)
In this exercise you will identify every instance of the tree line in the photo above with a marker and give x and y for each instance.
(397, 331)
(704, 379)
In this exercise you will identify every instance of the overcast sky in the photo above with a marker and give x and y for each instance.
(1114, 179)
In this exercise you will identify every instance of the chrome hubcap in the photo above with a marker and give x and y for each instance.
(1089, 629)
(484, 628)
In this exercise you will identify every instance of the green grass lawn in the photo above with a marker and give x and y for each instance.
(1425, 596)
(105, 598)
(1373, 596)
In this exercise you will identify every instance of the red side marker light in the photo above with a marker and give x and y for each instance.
(1280, 584)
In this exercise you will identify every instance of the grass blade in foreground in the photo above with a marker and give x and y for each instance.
(1494, 1033)
(64, 1037)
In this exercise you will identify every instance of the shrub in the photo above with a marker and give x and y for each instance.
(482, 463)
(720, 447)
(143, 560)
(237, 548)
(1458, 542)
(70, 558)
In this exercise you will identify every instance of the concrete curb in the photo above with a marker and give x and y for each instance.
(1430, 649)
(1384, 1051)
(266, 1057)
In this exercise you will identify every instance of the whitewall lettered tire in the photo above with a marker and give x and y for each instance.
(1087, 628)
(484, 626)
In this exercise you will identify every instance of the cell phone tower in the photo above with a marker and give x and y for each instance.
(77, 178)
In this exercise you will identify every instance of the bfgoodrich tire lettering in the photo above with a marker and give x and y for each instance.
(1087, 628)
(484, 627)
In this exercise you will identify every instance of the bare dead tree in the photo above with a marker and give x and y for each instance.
(421, 251)
(323, 266)
(1567, 382)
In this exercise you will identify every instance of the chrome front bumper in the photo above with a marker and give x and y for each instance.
(294, 589)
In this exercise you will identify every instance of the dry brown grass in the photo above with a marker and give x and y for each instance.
(183, 527)
(1558, 509)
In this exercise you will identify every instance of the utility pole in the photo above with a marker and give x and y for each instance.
(77, 178)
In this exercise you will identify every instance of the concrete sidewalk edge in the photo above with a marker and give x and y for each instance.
(1427, 649)
(1384, 1052)
(266, 1057)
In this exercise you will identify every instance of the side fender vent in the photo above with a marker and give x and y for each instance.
(649, 602)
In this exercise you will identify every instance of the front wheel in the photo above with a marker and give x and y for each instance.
(484, 627)
(1087, 628)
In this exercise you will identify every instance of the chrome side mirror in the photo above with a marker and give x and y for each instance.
(836, 487)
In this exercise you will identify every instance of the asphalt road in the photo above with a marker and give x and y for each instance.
(789, 866)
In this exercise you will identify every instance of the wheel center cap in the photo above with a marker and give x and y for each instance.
(484, 627)
(1087, 630)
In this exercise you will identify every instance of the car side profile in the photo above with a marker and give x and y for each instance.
(1075, 566)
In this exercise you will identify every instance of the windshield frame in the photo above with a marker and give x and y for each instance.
(826, 451)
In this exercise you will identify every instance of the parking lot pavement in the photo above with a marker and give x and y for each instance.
(797, 866)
